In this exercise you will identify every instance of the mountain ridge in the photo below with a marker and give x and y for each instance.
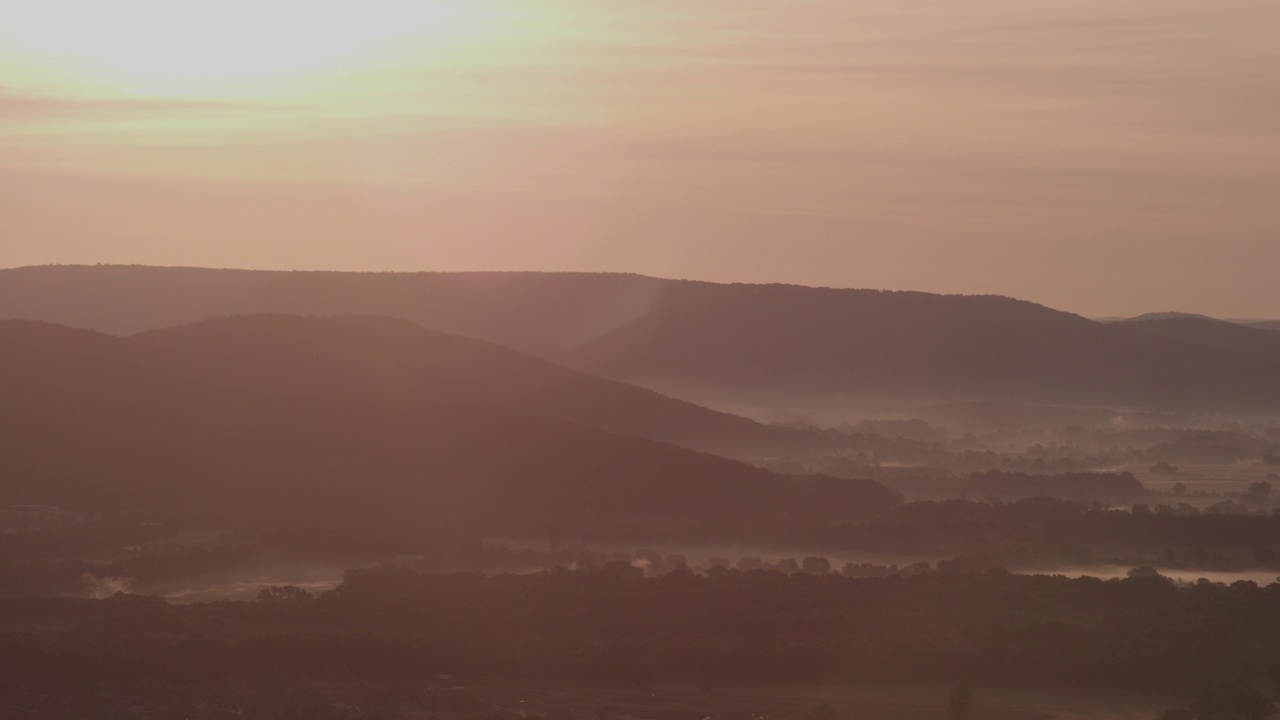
(748, 342)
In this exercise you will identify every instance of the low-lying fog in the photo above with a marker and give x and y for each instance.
(246, 583)
(237, 584)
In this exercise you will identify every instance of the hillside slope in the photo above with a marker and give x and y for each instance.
(1242, 340)
(396, 359)
(94, 422)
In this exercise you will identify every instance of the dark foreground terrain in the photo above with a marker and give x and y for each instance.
(338, 698)
(387, 629)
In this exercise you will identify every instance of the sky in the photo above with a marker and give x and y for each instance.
(1107, 157)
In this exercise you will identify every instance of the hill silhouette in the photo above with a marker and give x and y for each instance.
(398, 360)
(1244, 341)
(94, 422)
(757, 343)
(1165, 315)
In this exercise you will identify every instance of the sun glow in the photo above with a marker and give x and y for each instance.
(231, 48)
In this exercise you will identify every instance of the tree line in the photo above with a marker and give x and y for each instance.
(614, 626)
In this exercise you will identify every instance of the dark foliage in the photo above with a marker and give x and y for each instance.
(613, 626)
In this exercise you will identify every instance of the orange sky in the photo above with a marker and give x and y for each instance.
(1101, 156)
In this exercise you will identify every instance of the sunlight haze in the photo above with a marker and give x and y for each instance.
(1102, 157)
(640, 359)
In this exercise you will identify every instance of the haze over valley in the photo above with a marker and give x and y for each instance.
(204, 435)
(313, 440)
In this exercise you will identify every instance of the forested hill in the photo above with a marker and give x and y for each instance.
(396, 359)
(1243, 340)
(754, 341)
(90, 422)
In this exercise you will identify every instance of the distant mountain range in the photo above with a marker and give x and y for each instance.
(95, 422)
(748, 343)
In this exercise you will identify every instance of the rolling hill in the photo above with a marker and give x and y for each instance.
(398, 360)
(1240, 340)
(760, 344)
(93, 422)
